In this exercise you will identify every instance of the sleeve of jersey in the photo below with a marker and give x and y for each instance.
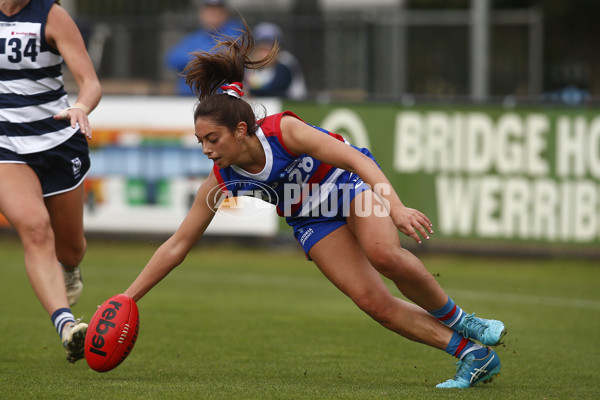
(271, 126)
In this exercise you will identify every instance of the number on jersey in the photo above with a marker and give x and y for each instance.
(16, 50)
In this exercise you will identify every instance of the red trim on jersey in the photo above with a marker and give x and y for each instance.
(271, 126)
(316, 178)
(320, 173)
(222, 184)
(337, 136)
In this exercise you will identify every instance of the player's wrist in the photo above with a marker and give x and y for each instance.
(80, 106)
(64, 113)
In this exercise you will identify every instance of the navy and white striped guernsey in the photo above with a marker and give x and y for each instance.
(31, 83)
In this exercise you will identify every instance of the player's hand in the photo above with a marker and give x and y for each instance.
(413, 223)
(78, 116)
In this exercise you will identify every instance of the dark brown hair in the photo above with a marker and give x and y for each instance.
(225, 63)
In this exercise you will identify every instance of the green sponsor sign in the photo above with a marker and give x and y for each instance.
(519, 175)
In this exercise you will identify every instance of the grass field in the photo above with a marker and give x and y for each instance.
(239, 323)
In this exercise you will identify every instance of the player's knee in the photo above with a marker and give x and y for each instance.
(71, 254)
(394, 263)
(377, 307)
(35, 231)
(383, 258)
(388, 261)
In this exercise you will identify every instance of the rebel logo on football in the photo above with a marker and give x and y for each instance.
(103, 327)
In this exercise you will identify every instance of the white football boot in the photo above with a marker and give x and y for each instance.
(73, 340)
(73, 283)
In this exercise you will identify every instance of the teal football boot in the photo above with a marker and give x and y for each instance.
(471, 371)
(489, 332)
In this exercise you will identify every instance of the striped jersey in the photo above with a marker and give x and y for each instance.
(295, 184)
(31, 83)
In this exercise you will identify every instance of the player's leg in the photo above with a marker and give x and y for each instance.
(22, 204)
(340, 258)
(379, 239)
(66, 217)
(343, 261)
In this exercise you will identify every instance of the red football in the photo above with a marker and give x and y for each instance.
(111, 333)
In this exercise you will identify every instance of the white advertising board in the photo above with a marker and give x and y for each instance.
(147, 167)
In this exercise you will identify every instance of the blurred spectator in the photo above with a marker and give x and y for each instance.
(215, 19)
(283, 76)
(572, 95)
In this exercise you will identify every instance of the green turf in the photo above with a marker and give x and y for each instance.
(238, 323)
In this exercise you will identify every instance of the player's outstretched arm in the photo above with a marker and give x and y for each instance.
(301, 138)
(172, 252)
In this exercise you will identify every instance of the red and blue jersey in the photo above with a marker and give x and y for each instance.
(297, 184)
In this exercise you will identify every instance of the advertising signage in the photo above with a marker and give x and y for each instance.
(529, 175)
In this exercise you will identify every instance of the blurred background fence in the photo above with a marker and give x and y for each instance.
(397, 50)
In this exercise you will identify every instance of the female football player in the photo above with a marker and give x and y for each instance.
(342, 208)
(44, 152)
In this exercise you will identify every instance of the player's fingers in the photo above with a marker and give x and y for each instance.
(410, 232)
(424, 221)
(62, 114)
(84, 126)
(416, 237)
(422, 231)
(87, 132)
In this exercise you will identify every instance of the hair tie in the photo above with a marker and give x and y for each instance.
(234, 89)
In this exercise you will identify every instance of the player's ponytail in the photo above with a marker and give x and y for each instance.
(224, 65)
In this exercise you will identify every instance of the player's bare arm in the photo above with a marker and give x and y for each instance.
(62, 34)
(301, 138)
(172, 252)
